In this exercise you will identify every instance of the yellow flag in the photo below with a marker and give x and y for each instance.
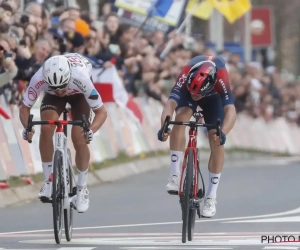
(232, 9)
(203, 10)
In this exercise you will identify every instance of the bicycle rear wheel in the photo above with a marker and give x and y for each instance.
(68, 213)
(57, 196)
(186, 193)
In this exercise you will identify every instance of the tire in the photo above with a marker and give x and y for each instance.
(191, 223)
(68, 213)
(186, 192)
(192, 212)
(57, 196)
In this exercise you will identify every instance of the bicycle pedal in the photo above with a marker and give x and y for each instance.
(173, 192)
(45, 200)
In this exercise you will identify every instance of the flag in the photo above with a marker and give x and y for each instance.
(203, 10)
(160, 8)
(232, 9)
(111, 89)
(167, 11)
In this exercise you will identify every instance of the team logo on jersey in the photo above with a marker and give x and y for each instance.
(32, 95)
(79, 84)
(39, 84)
(94, 95)
(181, 80)
(224, 88)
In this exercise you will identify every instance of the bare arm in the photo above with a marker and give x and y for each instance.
(24, 114)
(99, 119)
(168, 110)
(229, 119)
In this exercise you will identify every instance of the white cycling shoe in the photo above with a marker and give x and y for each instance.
(173, 185)
(209, 208)
(46, 190)
(82, 200)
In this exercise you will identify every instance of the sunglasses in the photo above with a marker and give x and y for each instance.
(58, 87)
(2, 49)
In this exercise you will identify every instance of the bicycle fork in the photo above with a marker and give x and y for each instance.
(61, 145)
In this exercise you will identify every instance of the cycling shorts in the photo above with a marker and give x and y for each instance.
(78, 103)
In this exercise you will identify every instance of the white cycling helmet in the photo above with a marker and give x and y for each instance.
(57, 72)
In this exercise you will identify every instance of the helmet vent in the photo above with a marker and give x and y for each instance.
(55, 78)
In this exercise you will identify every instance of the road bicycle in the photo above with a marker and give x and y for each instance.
(190, 194)
(62, 177)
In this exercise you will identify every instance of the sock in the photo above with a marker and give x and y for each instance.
(47, 170)
(82, 178)
(175, 162)
(213, 184)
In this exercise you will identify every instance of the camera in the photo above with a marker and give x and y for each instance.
(24, 19)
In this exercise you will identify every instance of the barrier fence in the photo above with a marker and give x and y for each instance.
(120, 133)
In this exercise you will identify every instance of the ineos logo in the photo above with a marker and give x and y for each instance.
(174, 158)
(214, 180)
(181, 80)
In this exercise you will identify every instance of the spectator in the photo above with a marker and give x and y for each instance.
(8, 67)
(37, 33)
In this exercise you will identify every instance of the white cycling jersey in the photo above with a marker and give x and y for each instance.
(80, 83)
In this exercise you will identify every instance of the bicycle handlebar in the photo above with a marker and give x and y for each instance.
(217, 126)
(83, 123)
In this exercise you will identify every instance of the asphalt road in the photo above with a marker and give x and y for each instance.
(254, 199)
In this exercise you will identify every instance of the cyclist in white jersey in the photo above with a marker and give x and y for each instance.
(64, 79)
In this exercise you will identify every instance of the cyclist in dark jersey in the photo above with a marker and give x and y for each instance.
(202, 82)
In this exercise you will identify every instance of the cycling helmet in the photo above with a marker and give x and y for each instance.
(57, 72)
(202, 78)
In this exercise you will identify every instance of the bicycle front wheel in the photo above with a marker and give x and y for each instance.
(68, 213)
(186, 194)
(57, 196)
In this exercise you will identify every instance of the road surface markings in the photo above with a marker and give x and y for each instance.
(290, 212)
(268, 220)
(62, 248)
(174, 248)
(282, 248)
(167, 241)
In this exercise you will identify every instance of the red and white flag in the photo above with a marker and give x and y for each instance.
(111, 88)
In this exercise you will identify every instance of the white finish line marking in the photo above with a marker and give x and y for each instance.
(290, 212)
(174, 248)
(167, 241)
(282, 248)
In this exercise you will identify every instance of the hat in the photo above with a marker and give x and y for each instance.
(75, 38)
(56, 32)
(82, 27)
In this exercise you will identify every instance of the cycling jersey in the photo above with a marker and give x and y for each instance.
(80, 83)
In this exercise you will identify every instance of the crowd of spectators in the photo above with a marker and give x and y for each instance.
(28, 37)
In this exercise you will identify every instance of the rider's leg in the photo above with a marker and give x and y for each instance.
(177, 146)
(51, 108)
(82, 156)
(213, 110)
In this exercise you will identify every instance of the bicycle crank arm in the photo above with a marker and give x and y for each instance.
(74, 192)
(198, 213)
